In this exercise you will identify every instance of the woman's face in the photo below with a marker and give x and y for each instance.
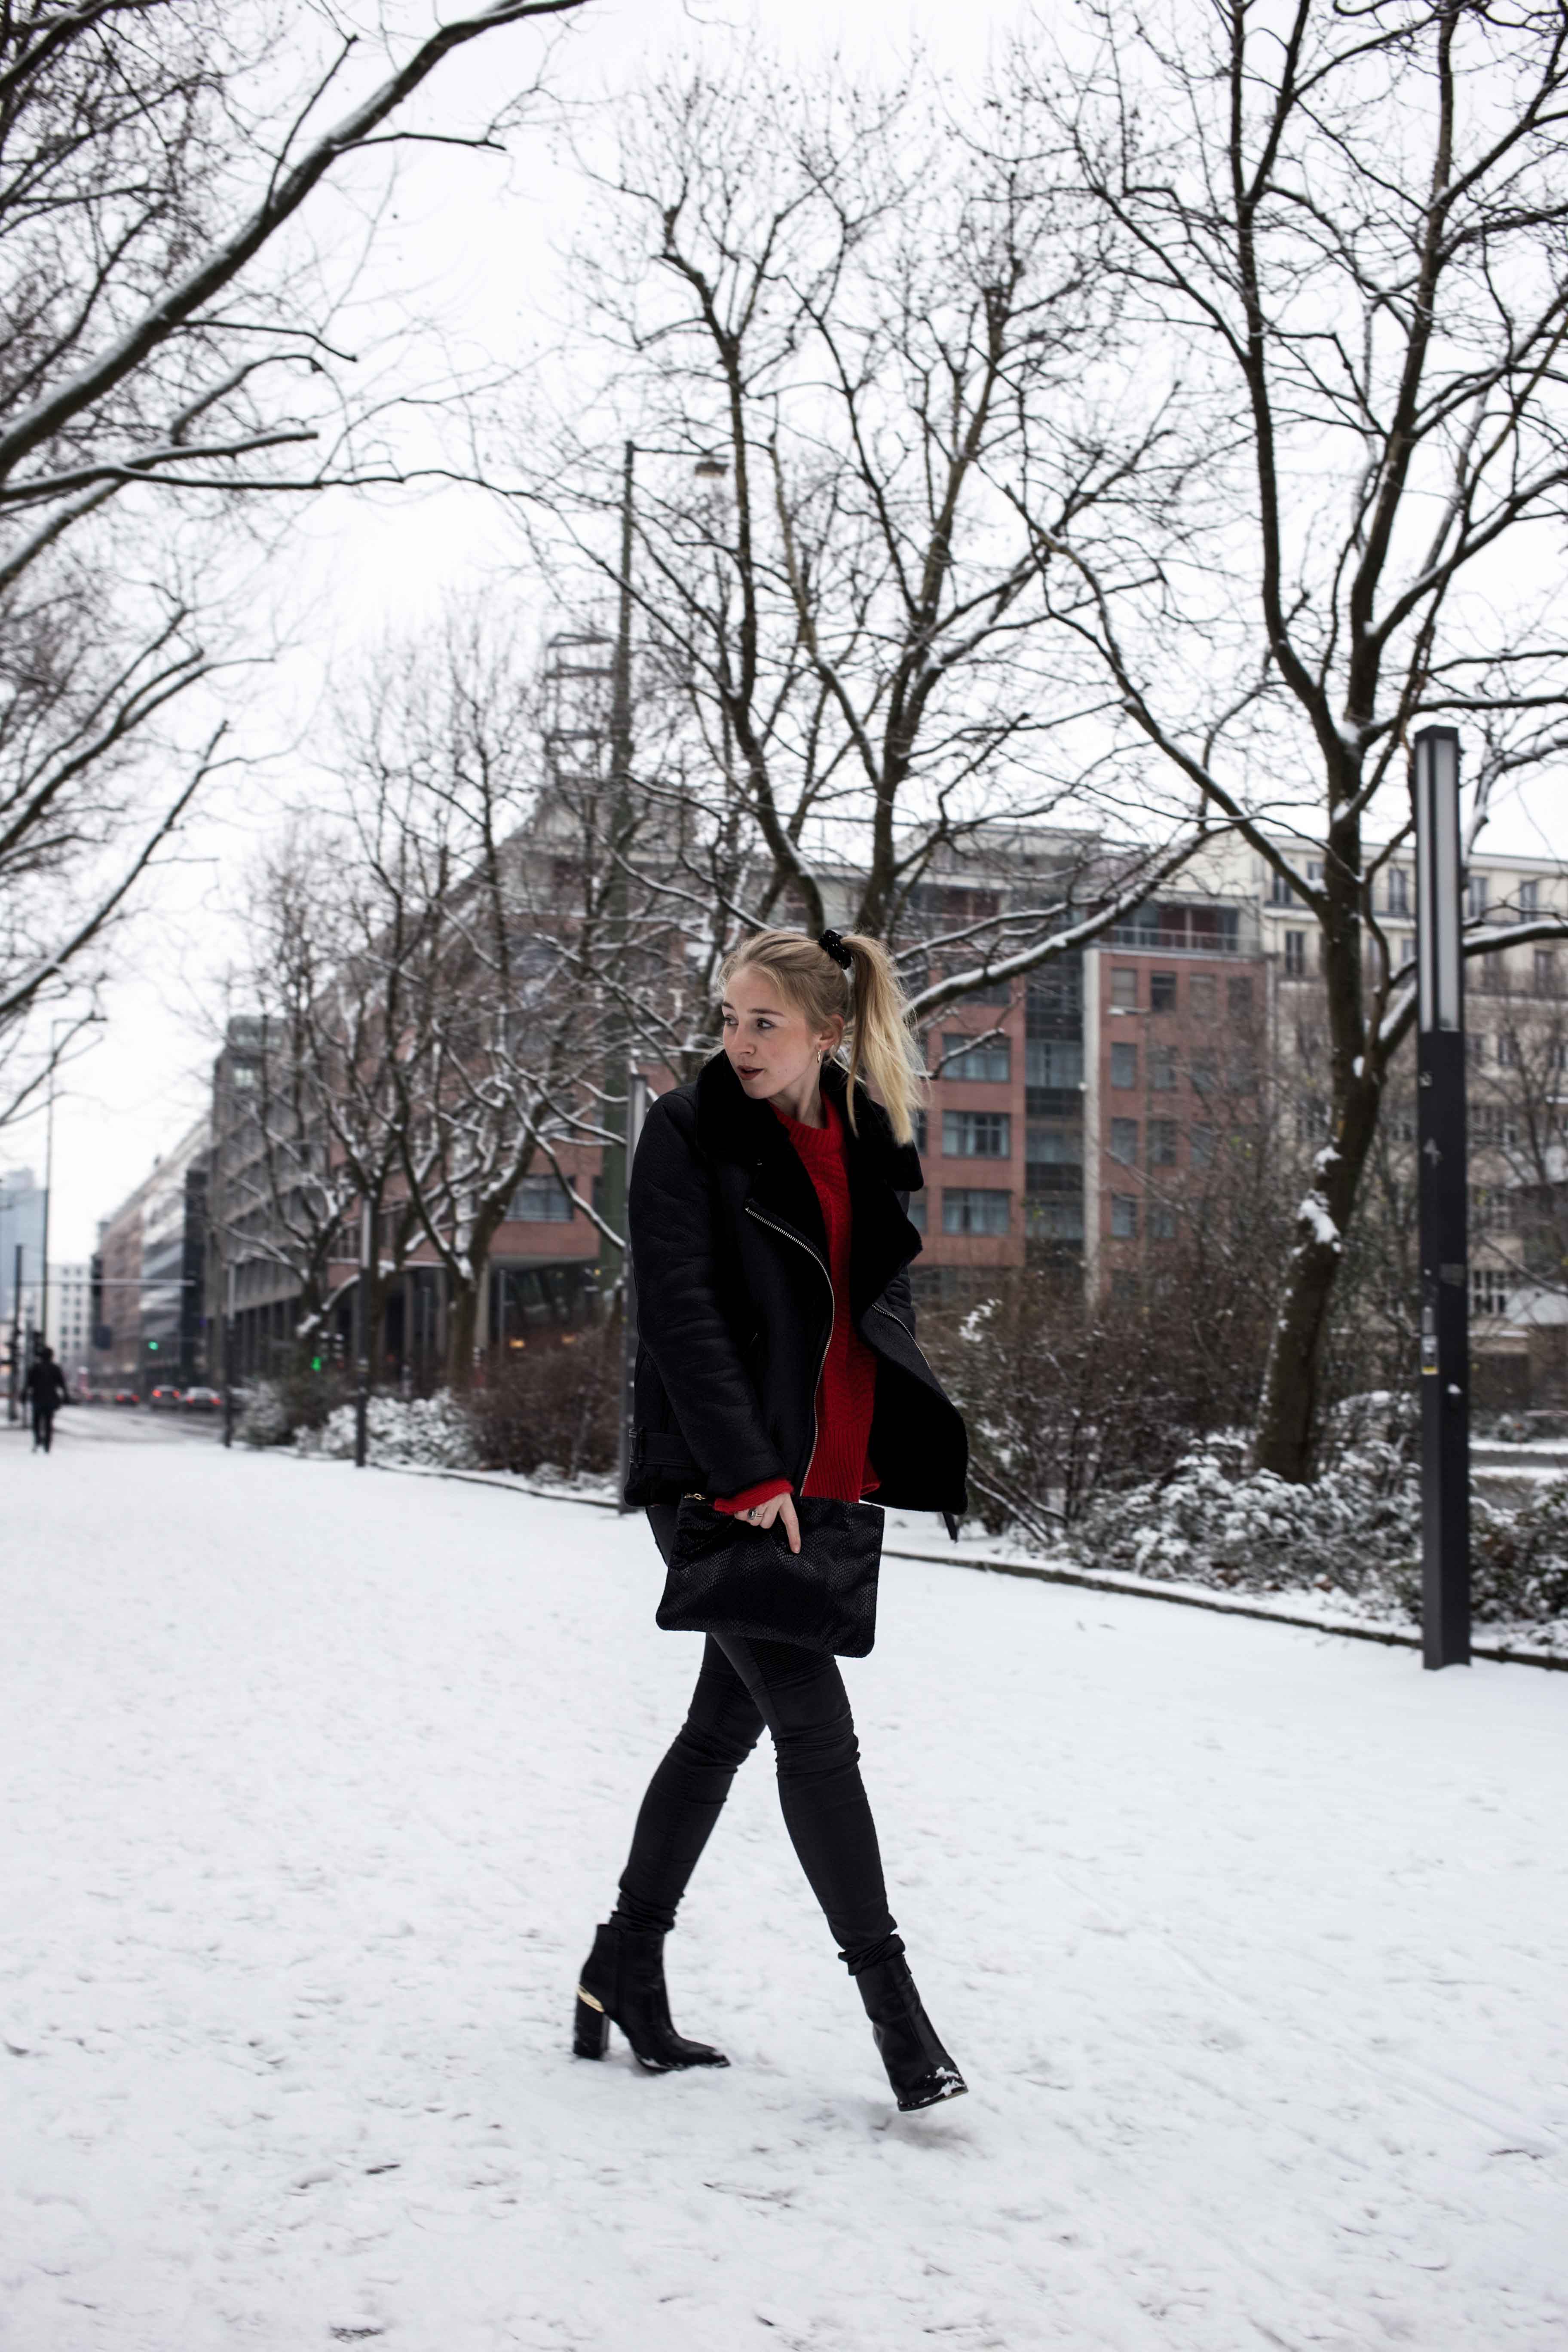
(773, 1048)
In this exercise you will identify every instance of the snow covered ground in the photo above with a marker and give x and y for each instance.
(314, 1783)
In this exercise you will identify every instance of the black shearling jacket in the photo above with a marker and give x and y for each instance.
(735, 1303)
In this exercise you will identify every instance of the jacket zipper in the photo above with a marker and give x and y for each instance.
(801, 1243)
(908, 1335)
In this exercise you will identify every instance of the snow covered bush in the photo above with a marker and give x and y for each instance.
(1518, 1559)
(434, 1433)
(265, 1420)
(1353, 1531)
(551, 1411)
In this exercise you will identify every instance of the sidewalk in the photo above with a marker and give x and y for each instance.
(312, 1785)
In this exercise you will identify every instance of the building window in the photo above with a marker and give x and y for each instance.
(1058, 1219)
(1054, 1144)
(976, 1135)
(922, 1129)
(1529, 898)
(1202, 1074)
(1162, 1143)
(967, 1212)
(1124, 1141)
(1124, 1066)
(1054, 1063)
(1508, 1051)
(1200, 1142)
(541, 1201)
(1161, 1220)
(1124, 988)
(1490, 1288)
(1398, 891)
(1239, 997)
(1491, 1209)
(1546, 971)
(1295, 955)
(1202, 996)
(1279, 891)
(1124, 1217)
(1162, 1068)
(1476, 1048)
(991, 991)
(916, 1212)
(992, 1061)
(1162, 991)
(1478, 891)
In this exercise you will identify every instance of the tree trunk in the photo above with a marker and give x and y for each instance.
(1288, 1408)
(462, 1324)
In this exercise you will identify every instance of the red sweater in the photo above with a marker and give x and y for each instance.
(847, 1392)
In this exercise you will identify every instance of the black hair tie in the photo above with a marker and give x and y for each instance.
(831, 944)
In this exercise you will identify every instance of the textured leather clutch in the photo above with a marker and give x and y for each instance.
(726, 1577)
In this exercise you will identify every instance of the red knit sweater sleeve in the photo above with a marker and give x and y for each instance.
(748, 1499)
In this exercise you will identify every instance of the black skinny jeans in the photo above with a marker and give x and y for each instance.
(800, 1696)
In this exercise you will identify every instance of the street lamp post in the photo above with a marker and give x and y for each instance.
(362, 1340)
(49, 1176)
(228, 1354)
(13, 1402)
(637, 1112)
(1444, 1253)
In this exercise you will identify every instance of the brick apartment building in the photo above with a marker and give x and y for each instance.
(1070, 1112)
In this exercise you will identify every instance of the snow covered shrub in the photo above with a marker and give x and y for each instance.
(1354, 1529)
(1518, 1559)
(1386, 1420)
(266, 1419)
(553, 1404)
(434, 1433)
(1066, 1396)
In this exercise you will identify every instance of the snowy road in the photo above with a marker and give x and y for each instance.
(313, 1785)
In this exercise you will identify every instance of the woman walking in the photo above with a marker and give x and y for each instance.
(771, 1244)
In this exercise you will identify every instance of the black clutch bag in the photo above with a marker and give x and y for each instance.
(727, 1576)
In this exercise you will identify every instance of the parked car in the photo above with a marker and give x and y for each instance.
(126, 1396)
(164, 1398)
(200, 1400)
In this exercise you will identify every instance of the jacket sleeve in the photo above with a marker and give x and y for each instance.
(671, 1215)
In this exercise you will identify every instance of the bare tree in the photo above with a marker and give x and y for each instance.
(491, 874)
(169, 352)
(834, 328)
(1341, 239)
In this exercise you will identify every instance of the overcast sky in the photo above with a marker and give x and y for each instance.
(480, 238)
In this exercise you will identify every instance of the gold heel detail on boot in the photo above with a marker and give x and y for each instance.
(590, 2027)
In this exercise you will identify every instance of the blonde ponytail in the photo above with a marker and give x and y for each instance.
(882, 1047)
(865, 994)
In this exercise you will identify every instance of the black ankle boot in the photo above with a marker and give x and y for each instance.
(919, 2068)
(623, 1980)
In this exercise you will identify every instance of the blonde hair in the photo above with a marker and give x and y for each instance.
(867, 998)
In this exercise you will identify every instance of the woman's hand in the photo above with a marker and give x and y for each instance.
(762, 1514)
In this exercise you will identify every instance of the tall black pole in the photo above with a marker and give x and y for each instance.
(228, 1350)
(1444, 1247)
(13, 1402)
(616, 1162)
(362, 1340)
(637, 1110)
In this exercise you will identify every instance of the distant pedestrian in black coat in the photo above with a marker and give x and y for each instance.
(771, 1244)
(45, 1392)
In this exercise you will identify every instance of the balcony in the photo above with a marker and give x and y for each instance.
(1185, 926)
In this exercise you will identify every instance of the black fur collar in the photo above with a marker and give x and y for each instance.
(731, 1127)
